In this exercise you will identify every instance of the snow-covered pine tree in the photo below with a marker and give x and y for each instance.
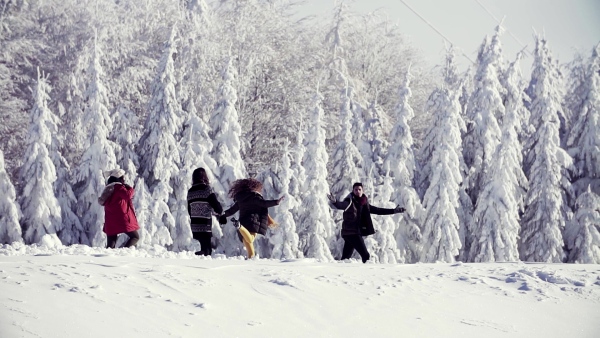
(142, 202)
(10, 229)
(298, 178)
(512, 82)
(71, 231)
(550, 72)
(400, 164)
(161, 225)
(99, 154)
(452, 78)
(283, 238)
(74, 135)
(41, 210)
(346, 159)
(126, 133)
(584, 139)
(495, 224)
(582, 234)
(441, 240)
(269, 177)
(576, 88)
(387, 249)
(158, 148)
(316, 224)
(485, 109)
(347, 164)
(546, 208)
(226, 133)
(375, 141)
(195, 146)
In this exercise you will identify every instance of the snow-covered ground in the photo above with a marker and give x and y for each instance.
(80, 291)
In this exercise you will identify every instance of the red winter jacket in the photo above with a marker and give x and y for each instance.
(119, 215)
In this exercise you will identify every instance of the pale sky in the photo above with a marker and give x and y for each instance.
(569, 25)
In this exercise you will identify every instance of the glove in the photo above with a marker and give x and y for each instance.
(331, 198)
(399, 209)
(222, 219)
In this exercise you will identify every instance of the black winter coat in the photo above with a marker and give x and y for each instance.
(357, 215)
(254, 211)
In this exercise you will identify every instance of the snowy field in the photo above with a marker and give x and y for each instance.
(80, 291)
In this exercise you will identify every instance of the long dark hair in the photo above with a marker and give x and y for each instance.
(200, 177)
(245, 184)
(113, 179)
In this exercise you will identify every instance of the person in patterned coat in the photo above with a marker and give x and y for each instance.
(202, 202)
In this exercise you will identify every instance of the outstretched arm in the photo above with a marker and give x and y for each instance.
(385, 211)
(234, 208)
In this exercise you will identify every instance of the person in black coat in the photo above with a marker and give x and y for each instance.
(357, 220)
(253, 208)
(202, 202)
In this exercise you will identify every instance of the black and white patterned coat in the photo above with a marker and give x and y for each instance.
(202, 201)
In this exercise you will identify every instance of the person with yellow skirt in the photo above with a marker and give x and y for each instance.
(254, 216)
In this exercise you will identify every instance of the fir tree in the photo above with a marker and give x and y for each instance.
(584, 139)
(283, 238)
(388, 251)
(10, 229)
(546, 209)
(347, 162)
(550, 73)
(41, 210)
(495, 223)
(485, 108)
(126, 133)
(226, 133)
(401, 165)
(317, 225)
(298, 178)
(441, 224)
(158, 146)
(142, 202)
(99, 155)
(582, 235)
(346, 158)
(195, 146)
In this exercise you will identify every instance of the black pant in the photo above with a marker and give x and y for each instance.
(205, 245)
(134, 237)
(352, 242)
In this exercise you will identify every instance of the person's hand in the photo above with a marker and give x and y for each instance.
(399, 209)
(222, 219)
(280, 199)
(331, 198)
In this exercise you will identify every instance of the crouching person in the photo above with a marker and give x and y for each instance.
(357, 220)
(119, 215)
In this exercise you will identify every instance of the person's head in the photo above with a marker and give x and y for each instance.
(357, 189)
(115, 175)
(200, 176)
(246, 184)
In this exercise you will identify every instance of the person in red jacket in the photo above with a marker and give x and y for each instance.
(119, 215)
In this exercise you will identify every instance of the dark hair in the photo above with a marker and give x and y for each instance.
(113, 179)
(357, 184)
(199, 176)
(246, 184)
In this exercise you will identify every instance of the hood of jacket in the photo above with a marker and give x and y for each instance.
(107, 192)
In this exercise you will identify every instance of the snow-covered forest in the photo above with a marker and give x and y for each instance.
(489, 165)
